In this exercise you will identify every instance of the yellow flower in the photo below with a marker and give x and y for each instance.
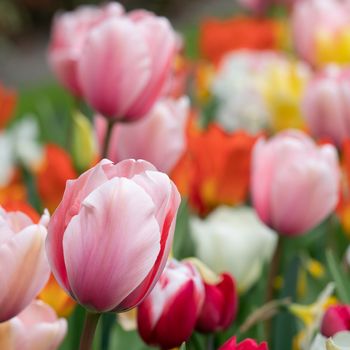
(333, 48)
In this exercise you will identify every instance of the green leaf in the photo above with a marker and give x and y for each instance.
(339, 277)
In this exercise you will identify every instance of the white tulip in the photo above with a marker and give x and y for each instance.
(341, 341)
(235, 241)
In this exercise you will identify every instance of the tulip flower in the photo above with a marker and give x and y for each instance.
(220, 305)
(326, 104)
(109, 238)
(340, 341)
(24, 267)
(295, 183)
(158, 138)
(69, 31)
(125, 63)
(321, 31)
(35, 328)
(168, 315)
(247, 344)
(52, 175)
(335, 319)
(215, 169)
(243, 242)
(8, 100)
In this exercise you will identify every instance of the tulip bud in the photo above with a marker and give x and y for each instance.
(295, 183)
(84, 147)
(36, 327)
(219, 307)
(174, 304)
(247, 344)
(336, 319)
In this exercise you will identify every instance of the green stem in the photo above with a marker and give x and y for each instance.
(107, 137)
(87, 337)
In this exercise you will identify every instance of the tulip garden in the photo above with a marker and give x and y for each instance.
(180, 189)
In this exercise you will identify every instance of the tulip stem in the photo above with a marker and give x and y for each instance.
(87, 336)
(110, 124)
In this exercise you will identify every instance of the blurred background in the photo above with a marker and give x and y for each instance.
(25, 29)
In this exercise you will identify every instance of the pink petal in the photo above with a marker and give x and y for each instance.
(111, 245)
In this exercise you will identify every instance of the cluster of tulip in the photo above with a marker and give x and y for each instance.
(212, 222)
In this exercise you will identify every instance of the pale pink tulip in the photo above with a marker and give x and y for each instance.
(314, 21)
(174, 304)
(110, 237)
(294, 182)
(125, 63)
(326, 104)
(24, 269)
(35, 328)
(158, 138)
(69, 31)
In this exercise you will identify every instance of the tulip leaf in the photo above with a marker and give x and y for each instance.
(339, 277)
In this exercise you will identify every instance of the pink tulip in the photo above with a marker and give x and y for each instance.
(69, 31)
(168, 315)
(219, 307)
(158, 138)
(335, 319)
(35, 328)
(125, 63)
(294, 182)
(23, 265)
(313, 20)
(247, 344)
(110, 236)
(326, 105)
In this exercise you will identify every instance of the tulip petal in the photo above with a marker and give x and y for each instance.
(75, 193)
(111, 245)
(23, 270)
(111, 49)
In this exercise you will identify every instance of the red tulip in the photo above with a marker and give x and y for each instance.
(336, 319)
(168, 315)
(219, 307)
(247, 344)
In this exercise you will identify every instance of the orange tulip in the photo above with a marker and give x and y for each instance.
(218, 37)
(57, 298)
(215, 170)
(56, 169)
(7, 105)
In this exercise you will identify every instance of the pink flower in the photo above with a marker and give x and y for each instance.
(23, 265)
(320, 30)
(219, 307)
(167, 317)
(294, 182)
(335, 319)
(69, 31)
(247, 344)
(158, 138)
(35, 328)
(326, 104)
(125, 63)
(110, 236)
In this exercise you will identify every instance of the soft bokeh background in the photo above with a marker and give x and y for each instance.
(25, 28)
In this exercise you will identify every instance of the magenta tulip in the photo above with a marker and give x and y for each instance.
(110, 237)
(168, 315)
(158, 138)
(247, 344)
(35, 328)
(294, 182)
(220, 305)
(125, 63)
(336, 319)
(326, 105)
(24, 269)
(69, 32)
